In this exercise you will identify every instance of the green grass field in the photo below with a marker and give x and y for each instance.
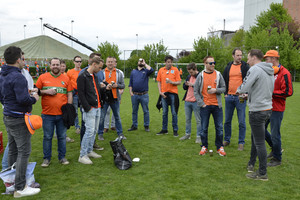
(169, 168)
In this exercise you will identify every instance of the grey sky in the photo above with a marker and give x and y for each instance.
(178, 23)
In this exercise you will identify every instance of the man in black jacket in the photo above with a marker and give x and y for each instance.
(89, 96)
(233, 74)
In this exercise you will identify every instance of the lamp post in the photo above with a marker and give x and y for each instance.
(72, 21)
(24, 31)
(137, 44)
(41, 25)
(97, 41)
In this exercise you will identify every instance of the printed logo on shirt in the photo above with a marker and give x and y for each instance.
(172, 71)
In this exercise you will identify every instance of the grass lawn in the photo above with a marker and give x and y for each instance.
(169, 168)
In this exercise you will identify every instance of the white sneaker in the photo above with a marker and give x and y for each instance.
(92, 154)
(198, 140)
(27, 191)
(85, 160)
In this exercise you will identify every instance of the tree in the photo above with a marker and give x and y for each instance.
(275, 29)
(213, 46)
(107, 49)
(152, 54)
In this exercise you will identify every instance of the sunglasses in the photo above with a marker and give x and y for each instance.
(211, 63)
(77, 61)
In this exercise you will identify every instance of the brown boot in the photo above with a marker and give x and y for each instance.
(241, 147)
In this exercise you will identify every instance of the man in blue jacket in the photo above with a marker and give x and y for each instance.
(138, 88)
(17, 101)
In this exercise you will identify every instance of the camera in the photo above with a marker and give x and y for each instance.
(141, 60)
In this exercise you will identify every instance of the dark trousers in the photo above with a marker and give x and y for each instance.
(257, 121)
(19, 140)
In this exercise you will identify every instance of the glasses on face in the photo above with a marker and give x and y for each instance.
(77, 61)
(211, 63)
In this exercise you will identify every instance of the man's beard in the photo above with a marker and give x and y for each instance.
(141, 65)
(55, 71)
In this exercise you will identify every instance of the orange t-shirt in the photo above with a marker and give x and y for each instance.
(73, 75)
(172, 74)
(235, 78)
(209, 80)
(109, 77)
(51, 105)
(190, 93)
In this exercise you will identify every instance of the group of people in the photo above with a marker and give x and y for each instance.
(97, 90)
(265, 85)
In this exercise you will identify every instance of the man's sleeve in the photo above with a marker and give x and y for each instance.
(81, 93)
(286, 87)
(248, 81)
(222, 87)
(177, 75)
(158, 76)
(39, 83)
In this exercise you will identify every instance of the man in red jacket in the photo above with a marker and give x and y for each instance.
(283, 88)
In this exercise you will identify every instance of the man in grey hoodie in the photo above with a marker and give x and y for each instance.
(259, 84)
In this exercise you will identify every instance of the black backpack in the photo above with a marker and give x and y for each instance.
(121, 157)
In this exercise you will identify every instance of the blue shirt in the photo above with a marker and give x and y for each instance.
(99, 75)
(139, 79)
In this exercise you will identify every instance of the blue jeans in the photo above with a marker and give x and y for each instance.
(5, 158)
(49, 122)
(91, 120)
(189, 107)
(232, 102)
(165, 107)
(116, 112)
(107, 119)
(275, 121)
(75, 104)
(19, 140)
(144, 101)
(268, 137)
(257, 121)
(217, 114)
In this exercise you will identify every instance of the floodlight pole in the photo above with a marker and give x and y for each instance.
(97, 42)
(24, 32)
(72, 21)
(137, 44)
(41, 25)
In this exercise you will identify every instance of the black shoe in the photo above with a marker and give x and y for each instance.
(273, 162)
(270, 155)
(133, 128)
(257, 176)
(175, 134)
(147, 128)
(162, 132)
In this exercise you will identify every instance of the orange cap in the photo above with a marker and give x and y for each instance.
(272, 53)
(33, 122)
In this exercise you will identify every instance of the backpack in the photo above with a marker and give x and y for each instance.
(121, 156)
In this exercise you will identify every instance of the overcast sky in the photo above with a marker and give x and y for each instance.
(177, 23)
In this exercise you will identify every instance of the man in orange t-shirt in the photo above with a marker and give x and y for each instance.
(114, 81)
(73, 75)
(233, 74)
(168, 78)
(56, 91)
(208, 88)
